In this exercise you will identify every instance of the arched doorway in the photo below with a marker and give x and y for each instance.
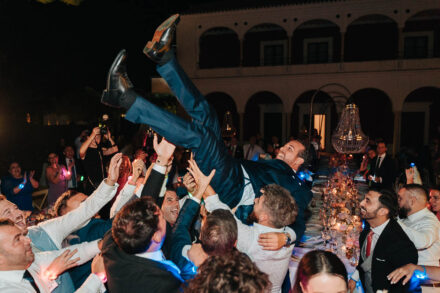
(222, 103)
(263, 115)
(420, 117)
(376, 113)
(324, 118)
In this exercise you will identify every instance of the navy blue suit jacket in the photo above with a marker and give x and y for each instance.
(181, 237)
(262, 173)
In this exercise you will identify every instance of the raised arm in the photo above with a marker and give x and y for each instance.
(164, 151)
(113, 149)
(86, 144)
(59, 228)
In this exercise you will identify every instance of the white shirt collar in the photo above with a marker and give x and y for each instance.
(12, 276)
(379, 229)
(418, 215)
(382, 156)
(154, 255)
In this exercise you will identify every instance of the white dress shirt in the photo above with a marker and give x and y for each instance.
(255, 151)
(60, 227)
(13, 282)
(423, 229)
(273, 263)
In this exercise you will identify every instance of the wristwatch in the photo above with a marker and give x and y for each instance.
(288, 240)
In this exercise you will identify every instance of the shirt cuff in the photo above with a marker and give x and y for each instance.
(93, 284)
(210, 202)
(185, 251)
(160, 169)
(105, 188)
(355, 276)
(195, 199)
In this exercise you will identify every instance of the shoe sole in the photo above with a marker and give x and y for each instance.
(154, 43)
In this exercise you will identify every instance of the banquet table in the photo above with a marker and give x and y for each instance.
(312, 238)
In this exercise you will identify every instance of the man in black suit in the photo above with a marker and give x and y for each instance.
(384, 245)
(383, 170)
(235, 149)
(132, 251)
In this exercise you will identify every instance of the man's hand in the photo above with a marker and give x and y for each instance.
(113, 169)
(31, 174)
(164, 151)
(197, 255)
(201, 179)
(138, 167)
(351, 285)
(272, 240)
(98, 267)
(406, 271)
(60, 264)
(189, 183)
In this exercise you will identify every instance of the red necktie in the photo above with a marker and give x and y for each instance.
(369, 240)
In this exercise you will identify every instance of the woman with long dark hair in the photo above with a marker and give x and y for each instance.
(320, 271)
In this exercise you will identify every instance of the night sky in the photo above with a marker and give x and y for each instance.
(54, 58)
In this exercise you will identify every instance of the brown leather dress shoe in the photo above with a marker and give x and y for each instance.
(161, 42)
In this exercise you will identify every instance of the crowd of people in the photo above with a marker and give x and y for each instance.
(198, 213)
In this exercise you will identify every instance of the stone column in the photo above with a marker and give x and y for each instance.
(241, 127)
(397, 129)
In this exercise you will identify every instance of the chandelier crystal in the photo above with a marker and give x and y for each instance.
(348, 137)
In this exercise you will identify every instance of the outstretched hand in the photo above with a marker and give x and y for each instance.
(62, 263)
(113, 169)
(202, 181)
(405, 272)
(164, 150)
(189, 183)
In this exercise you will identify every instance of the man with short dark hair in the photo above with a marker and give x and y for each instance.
(132, 251)
(22, 270)
(420, 224)
(218, 234)
(49, 235)
(383, 170)
(273, 211)
(238, 183)
(384, 245)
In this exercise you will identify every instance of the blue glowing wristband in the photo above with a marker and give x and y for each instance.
(421, 275)
(21, 186)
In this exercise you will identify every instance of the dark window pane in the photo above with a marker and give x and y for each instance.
(317, 52)
(416, 47)
(273, 55)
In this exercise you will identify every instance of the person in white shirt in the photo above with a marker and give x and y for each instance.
(22, 270)
(50, 234)
(273, 212)
(421, 225)
(252, 150)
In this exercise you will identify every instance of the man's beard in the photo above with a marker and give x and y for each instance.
(403, 212)
(252, 218)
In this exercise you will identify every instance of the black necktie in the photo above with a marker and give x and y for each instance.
(28, 276)
(73, 178)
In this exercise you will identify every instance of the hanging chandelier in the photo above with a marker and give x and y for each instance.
(228, 129)
(348, 137)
